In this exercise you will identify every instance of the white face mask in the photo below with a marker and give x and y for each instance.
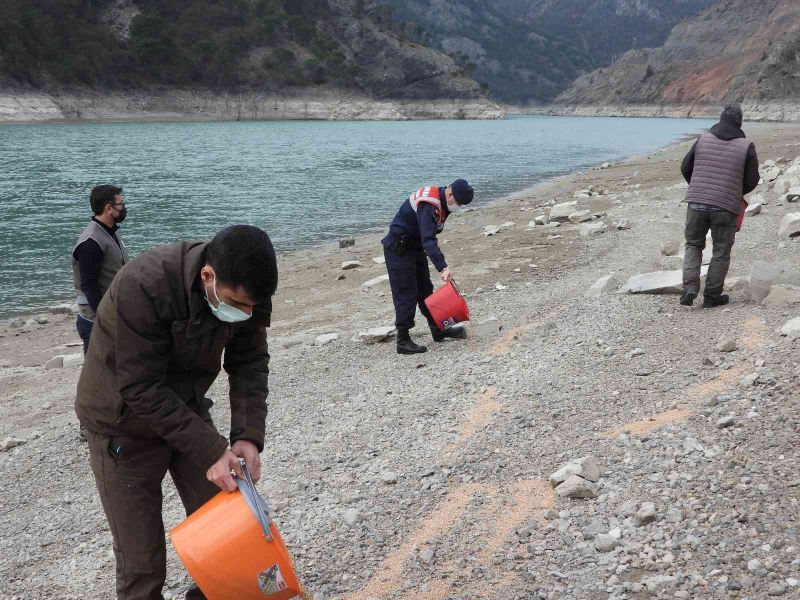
(453, 207)
(226, 312)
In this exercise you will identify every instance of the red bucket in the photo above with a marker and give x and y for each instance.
(447, 306)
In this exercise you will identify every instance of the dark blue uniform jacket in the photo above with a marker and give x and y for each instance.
(422, 226)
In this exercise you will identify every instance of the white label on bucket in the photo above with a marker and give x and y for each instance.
(270, 581)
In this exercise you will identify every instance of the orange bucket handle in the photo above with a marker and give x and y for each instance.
(255, 501)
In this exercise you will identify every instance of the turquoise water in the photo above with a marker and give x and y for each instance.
(303, 182)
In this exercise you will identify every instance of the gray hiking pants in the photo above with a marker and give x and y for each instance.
(723, 232)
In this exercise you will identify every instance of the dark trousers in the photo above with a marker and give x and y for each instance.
(723, 233)
(84, 327)
(410, 280)
(128, 472)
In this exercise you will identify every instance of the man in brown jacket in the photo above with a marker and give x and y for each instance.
(156, 349)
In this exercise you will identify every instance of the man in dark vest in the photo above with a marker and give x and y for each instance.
(157, 346)
(412, 236)
(721, 168)
(98, 254)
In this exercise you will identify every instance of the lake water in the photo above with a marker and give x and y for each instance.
(303, 182)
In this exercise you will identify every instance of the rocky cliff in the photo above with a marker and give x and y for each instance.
(736, 51)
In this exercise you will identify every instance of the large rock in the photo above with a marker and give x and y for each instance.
(602, 286)
(377, 334)
(585, 467)
(792, 329)
(782, 295)
(581, 216)
(577, 487)
(659, 282)
(376, 283)
(790, 225)
(764, 275)
(560, 212)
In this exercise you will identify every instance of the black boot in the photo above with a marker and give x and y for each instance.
(457, 332)
(712, 301)
(405, 345)
(688, 296)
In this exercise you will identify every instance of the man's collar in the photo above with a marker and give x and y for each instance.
(111, 230)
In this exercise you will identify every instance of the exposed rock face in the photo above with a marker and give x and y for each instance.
(736, 50)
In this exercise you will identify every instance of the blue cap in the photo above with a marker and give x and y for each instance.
(462, 191)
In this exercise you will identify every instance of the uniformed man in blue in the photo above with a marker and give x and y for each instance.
(412, 236)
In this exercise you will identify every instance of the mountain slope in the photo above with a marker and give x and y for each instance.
(531, 50)
(233, 45)
(736, 51)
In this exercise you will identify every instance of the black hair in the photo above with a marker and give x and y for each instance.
(243, 256)
(102, 195)
(732, 114)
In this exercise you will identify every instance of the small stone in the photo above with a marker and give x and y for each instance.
(636, 352)
(62, 309)
(73, 360)
(726, 343)
(11, 442)
(585, 467)
(725, 422)
(581, 216)
(659, 583)
(426, 556)
(376, 283)
(352, 517)
(577, 487)
(54, 363)
(380, 260)
(351, 264)
(609, 352)
(389, 477)
(347, 242)
(670, 248)
(605, 542)
(588, 229)
(377, 334)
(753, 565)
(341, 277)
(325, 339)
(646, 513)
(791, 329)
(777, 589)
(602, 286)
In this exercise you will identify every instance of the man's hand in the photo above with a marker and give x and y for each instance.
(220, 471)
(248, 451)
(446, 275)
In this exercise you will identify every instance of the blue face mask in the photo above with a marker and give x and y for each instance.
(226, 312)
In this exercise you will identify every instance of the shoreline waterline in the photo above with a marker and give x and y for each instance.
(495, 187)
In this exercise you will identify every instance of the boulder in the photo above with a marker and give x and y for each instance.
(560, 212)
(589, 229)
(375, 283)
(782, 295)
(351, 264)
(764, 275)
(659, 282)
(790, 225)
(602, 286)
(581, 216)
(585, 467)
(377, 334)
(792, 329)
(325, 339)
(577, 487)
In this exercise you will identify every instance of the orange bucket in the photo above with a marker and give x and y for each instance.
(232, 549)
(447, 306)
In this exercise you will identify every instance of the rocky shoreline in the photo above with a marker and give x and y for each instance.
(582, 444)
(194, 105)
(754, 110)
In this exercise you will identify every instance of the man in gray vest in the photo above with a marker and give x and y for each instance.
(720, 169)
(98, 254)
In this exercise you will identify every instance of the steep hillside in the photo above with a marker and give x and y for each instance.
(226, 46)
(531, 50)
(736, 51)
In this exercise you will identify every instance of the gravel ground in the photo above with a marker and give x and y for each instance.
(427, 476)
